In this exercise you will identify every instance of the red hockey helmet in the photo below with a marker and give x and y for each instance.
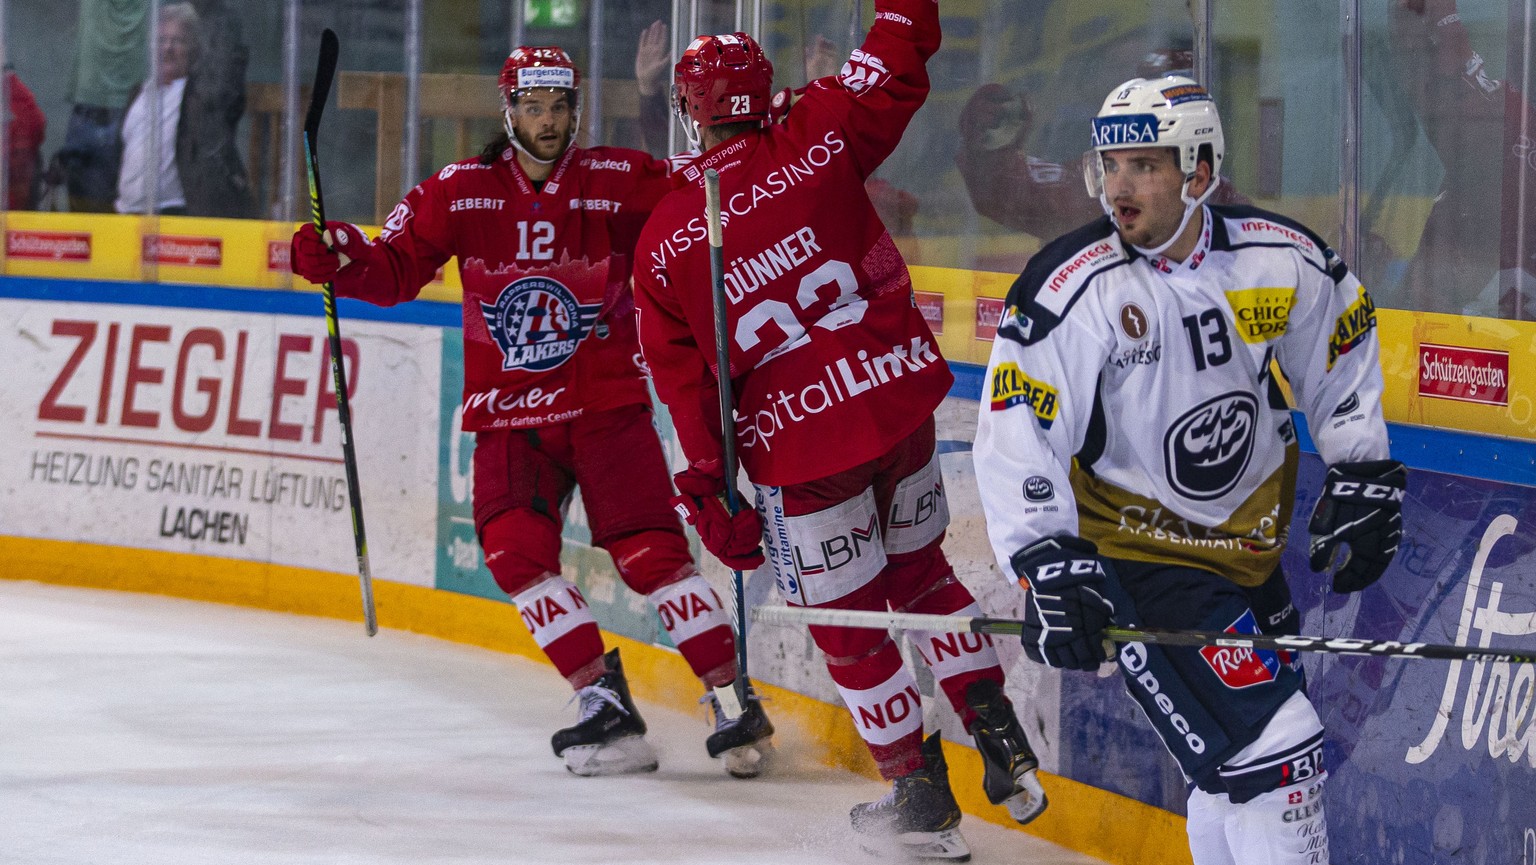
(722, 79)
(533, 68)
(528, 68)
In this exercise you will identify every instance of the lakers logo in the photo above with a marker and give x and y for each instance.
(537, 323)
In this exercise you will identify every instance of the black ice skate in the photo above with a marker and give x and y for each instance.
(744, 741)
(609, 736)
(919, 818)
(1011, 779)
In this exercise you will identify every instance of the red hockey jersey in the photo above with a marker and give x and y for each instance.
(830, 360)
(549, 328)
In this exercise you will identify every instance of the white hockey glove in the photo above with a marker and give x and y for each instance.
(1067, 611)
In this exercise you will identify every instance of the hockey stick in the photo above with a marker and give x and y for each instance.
(727, 416)
(325, 72)
(1155, 636)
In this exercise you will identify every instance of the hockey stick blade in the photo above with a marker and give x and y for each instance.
(325, 74)
(778, 615)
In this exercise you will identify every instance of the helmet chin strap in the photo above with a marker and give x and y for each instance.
(1190, 206)
(506, 121)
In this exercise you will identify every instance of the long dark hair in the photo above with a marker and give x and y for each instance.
(493, 148)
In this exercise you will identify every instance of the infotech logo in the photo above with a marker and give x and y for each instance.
(48, 245)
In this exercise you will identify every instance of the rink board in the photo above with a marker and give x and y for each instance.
(179, 391)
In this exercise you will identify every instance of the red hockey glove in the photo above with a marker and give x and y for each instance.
(734, 540)
(318, 261)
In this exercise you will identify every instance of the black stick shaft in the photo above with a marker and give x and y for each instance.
(727, 403)
(325, 73)
(1151, 636)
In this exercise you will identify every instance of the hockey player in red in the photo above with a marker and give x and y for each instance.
(836, 377)
(555, 392)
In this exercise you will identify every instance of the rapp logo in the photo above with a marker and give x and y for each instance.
(1240, 666)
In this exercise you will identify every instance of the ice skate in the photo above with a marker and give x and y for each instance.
(918, 819)
(609, 736)
(1011, 777)
(745, 742)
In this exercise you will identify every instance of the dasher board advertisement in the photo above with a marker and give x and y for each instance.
(215, 432)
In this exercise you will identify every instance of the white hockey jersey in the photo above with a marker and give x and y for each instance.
(1132, 401)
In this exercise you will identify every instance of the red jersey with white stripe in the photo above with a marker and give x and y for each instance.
(831, 362)
(549, 328)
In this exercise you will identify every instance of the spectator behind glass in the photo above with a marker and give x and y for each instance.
(26, 127)
(110, 56)
(138, 180)
(201, 83)
(212, 173)
(1476, 255)
(1027, 193)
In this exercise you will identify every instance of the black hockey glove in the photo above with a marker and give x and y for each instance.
(1361, 505)
(1067, 611)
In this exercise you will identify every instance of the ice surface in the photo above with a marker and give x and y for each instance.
(144, 729)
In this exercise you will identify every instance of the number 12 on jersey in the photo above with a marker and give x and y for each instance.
(536, 240)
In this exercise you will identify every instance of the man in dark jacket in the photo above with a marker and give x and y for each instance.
(201, 86)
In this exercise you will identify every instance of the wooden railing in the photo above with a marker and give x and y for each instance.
(445, 98)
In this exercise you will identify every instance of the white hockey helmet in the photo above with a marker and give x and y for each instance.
(1172, 111)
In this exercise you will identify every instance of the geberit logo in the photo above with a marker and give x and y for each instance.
(183, 251)
(48, 245)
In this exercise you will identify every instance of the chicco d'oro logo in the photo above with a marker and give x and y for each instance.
(1207, 450)
(537, 323)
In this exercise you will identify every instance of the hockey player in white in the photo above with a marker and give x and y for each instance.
(1137, 460)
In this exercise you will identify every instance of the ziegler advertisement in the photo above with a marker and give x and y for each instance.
(215, 432)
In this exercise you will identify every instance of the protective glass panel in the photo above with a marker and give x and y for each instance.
(990, 169)
(76, 67)
(362, 137)
(1446, 202)
(1277, 86)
